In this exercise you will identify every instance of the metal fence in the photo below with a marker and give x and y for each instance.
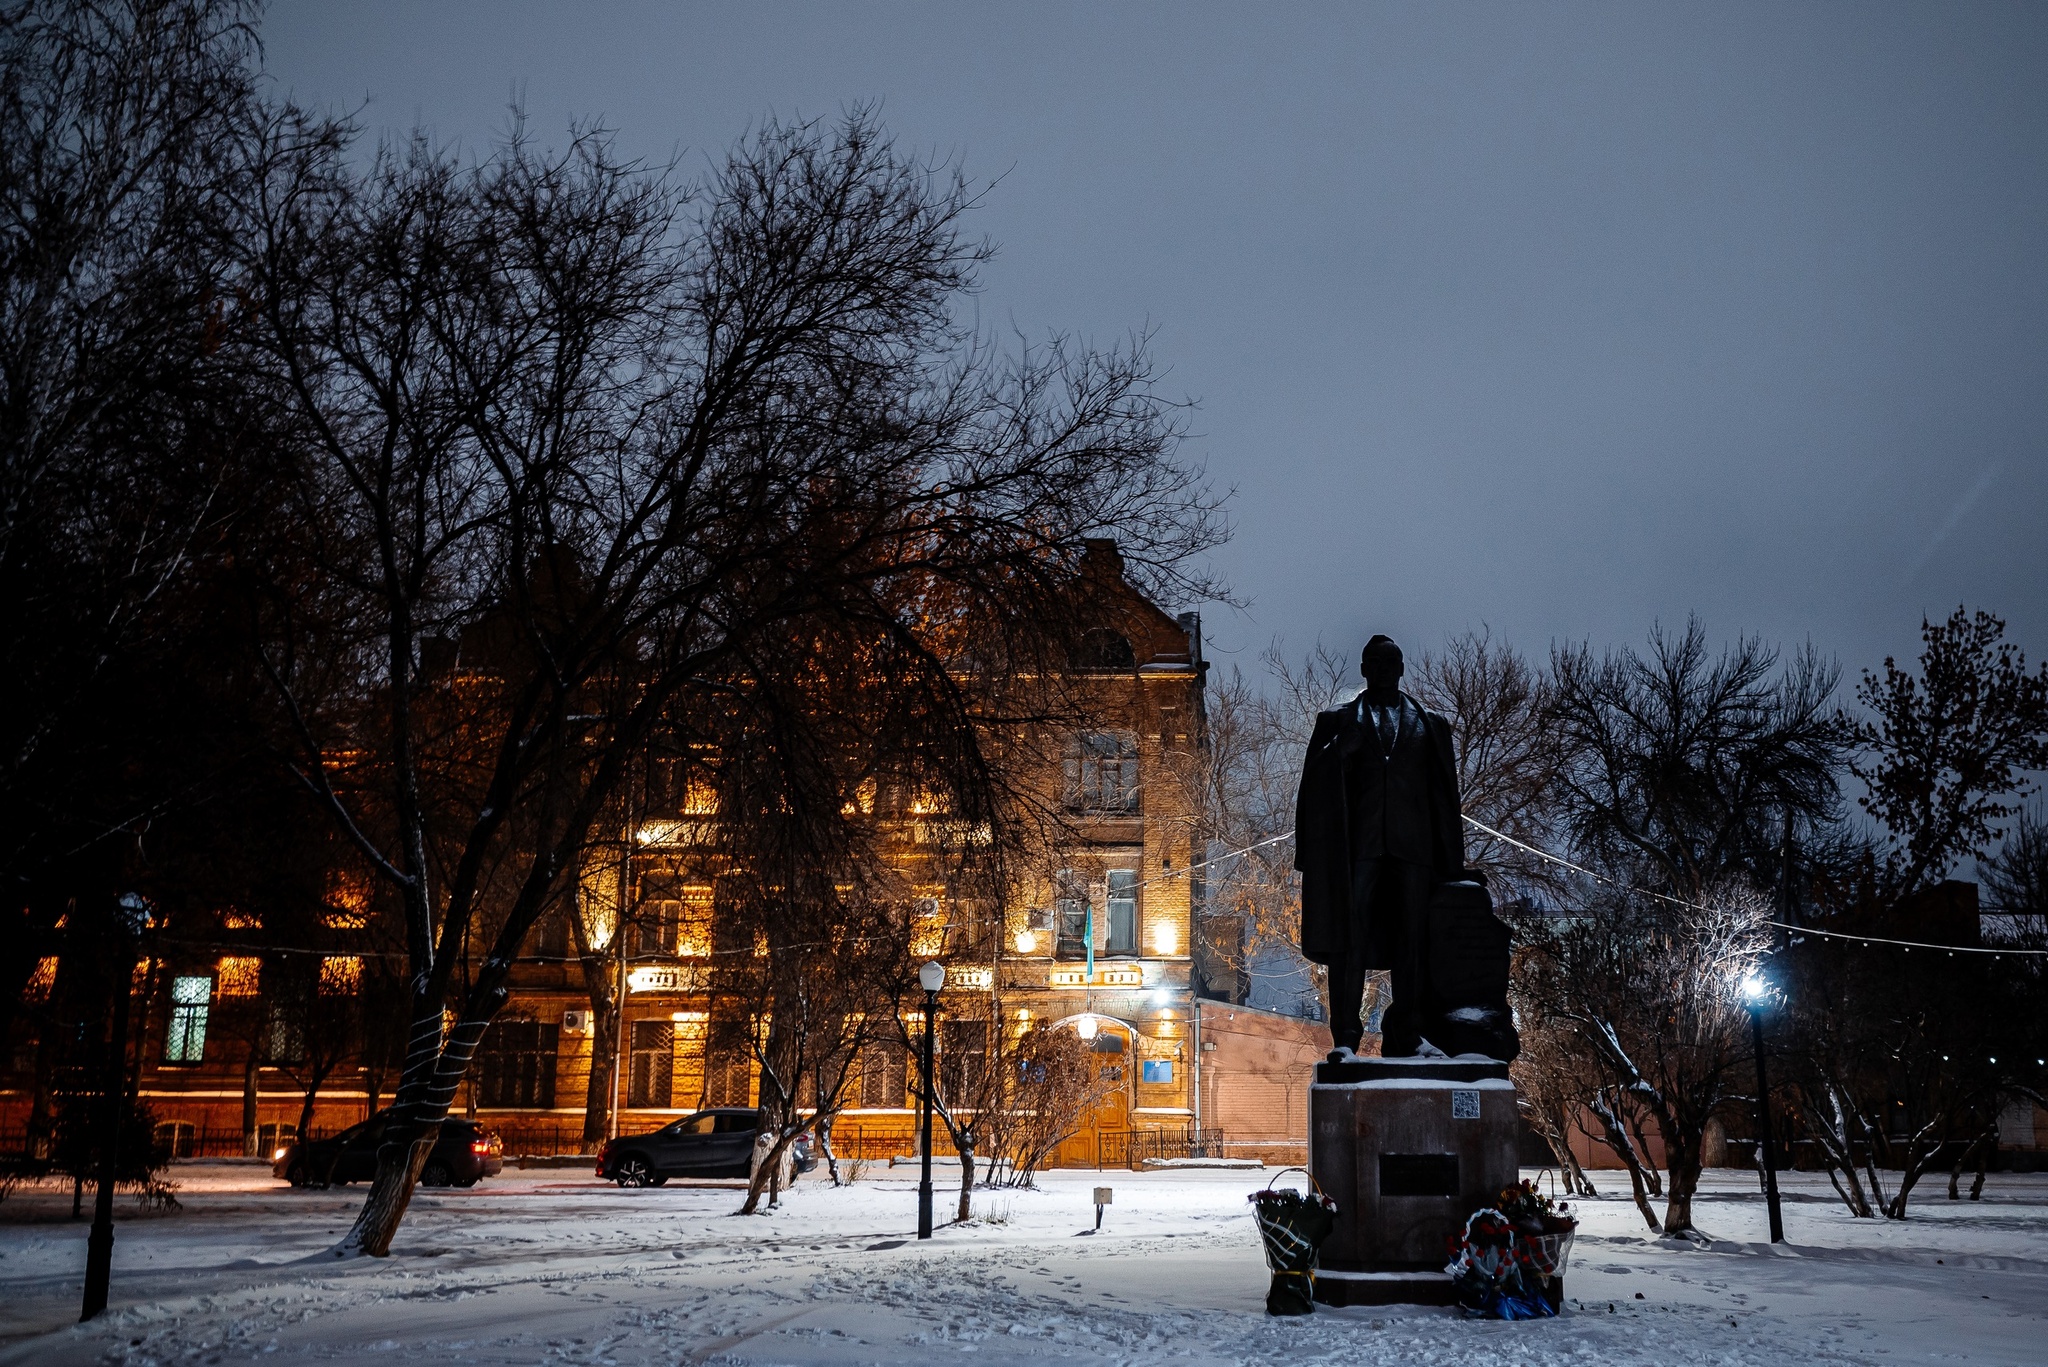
(564, 1138)
(1130, 1148)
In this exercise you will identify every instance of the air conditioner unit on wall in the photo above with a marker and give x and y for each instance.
(576, 1022)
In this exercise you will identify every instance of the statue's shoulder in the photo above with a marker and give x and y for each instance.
(1433, 720)
(1328, 725)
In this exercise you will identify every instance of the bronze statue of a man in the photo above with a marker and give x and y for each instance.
(1376, 833)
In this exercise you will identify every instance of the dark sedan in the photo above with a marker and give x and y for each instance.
(717, 1143)
(465, 1153)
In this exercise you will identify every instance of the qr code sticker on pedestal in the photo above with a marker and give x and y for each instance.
(1464, 1104)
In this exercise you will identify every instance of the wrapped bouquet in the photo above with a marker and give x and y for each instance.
(1292, 1225)
(1509, 1262)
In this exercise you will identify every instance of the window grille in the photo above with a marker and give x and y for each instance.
(185, 1041)
(652, 1076)
(516, 1064)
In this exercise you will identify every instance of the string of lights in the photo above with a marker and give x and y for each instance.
(1909, 945)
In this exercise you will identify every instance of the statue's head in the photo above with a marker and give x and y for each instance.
(1381, 665)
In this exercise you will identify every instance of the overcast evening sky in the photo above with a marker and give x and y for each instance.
(1561, 318)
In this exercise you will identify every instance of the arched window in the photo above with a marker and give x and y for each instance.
(1102, 648)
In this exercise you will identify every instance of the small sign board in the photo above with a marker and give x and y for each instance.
(1464, 1103)
(1103, 1196)
(1157, 1070)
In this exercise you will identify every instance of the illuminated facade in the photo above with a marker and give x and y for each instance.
(1102, 941)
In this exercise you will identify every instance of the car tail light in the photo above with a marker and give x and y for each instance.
(480, 1146)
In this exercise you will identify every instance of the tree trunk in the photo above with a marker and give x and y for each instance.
(1634, 1116)
(434, 1070)
(823, 1129)
(1558, 1139)
(1616, 1138)
(398, 1169)
(249, 1148)
(1981, 1150)
(1684, 1180)
(765, 1172)
(305, 1128)
(1832, 1133)
(966, 1181)
(1921, 1151)
(598, 980)
(1575, 1174)
(40, 1098)
(1682, 1155)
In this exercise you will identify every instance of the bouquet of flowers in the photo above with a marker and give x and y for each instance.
(1509, 1262)
(1292, 1225)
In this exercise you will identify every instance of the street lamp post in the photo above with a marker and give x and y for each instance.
(1756, 992)
(931, 978)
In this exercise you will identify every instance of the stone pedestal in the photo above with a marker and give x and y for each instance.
(1407, 1147)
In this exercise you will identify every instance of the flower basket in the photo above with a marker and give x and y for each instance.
(1509, 1262)
(1292, 1226)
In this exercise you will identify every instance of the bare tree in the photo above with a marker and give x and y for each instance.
(1497, 704)
(1897, 1057)
(118, 175)
(1050, 1084)
(1554, 1077)
(1652, 991)
(2015, 881)
(608, 437)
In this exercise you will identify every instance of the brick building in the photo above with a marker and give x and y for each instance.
(1101, 942)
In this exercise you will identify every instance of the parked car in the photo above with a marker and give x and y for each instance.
(716, 1143)
(465, 1153)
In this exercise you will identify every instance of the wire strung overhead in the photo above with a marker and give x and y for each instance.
(1908, 945)
(1215, 859)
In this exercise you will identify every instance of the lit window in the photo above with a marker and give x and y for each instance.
(1072, 920)
(43, 981)
(1123, 912)
(240, 976)
(348, 901)
(234, 918)
(341, 975)
(693, 924)
(185, 1041)
(1102, 772)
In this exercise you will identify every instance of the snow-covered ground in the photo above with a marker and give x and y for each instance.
(553, 1267)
